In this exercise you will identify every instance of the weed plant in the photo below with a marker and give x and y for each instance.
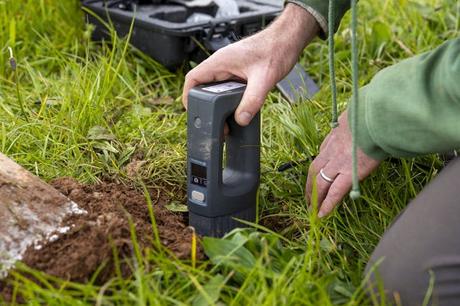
(90, 108)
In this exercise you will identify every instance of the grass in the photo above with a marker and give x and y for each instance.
(85, 116)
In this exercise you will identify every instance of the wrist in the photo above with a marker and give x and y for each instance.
(282, 42)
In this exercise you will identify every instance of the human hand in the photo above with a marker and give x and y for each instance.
(335, 161)
(261, 60)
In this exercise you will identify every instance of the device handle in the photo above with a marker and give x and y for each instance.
(242, 169)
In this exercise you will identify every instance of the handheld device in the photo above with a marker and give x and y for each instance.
(223, 171)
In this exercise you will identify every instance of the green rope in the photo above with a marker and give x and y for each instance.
(355, 192)
(331, 28)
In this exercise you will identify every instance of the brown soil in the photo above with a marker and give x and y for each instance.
(93, 237)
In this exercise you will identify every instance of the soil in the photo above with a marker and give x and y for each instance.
(90, 243)
(30, 210)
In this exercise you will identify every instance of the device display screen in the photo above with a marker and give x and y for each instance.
(199, 175)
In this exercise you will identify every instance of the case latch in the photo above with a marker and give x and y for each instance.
(219, 35)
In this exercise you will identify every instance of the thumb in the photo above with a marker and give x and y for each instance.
(253, 99)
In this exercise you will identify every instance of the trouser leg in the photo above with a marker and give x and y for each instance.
(424, 240)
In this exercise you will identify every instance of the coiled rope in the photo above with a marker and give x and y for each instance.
(355, 191)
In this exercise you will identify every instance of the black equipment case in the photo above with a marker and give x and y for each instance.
(167, 31)
(174, 32)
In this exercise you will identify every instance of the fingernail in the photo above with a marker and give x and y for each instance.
(245, 118)
(321, 214)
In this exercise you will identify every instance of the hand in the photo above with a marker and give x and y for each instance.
(261, 60)
(335, 159)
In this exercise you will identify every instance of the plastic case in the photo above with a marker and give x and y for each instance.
(166, 33)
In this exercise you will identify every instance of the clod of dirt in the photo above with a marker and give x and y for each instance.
(92, 238)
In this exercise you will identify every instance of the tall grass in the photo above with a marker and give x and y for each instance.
(89, 112)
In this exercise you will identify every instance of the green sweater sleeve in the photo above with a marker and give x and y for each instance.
(320, 10)
(413, 108)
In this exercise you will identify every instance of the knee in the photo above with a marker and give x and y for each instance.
(396, 281)
(414, 280)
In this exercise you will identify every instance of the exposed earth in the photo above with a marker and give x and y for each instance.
(92, 238)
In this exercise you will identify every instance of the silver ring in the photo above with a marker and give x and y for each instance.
(325, 177)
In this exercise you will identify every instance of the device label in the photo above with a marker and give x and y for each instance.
(219, 88)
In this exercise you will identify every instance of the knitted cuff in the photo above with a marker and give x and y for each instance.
(364, 139)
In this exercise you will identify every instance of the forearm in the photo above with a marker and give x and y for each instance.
(413, 108)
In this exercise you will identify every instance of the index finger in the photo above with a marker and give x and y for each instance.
(202, 74)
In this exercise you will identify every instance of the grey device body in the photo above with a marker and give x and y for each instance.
(218, 193)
